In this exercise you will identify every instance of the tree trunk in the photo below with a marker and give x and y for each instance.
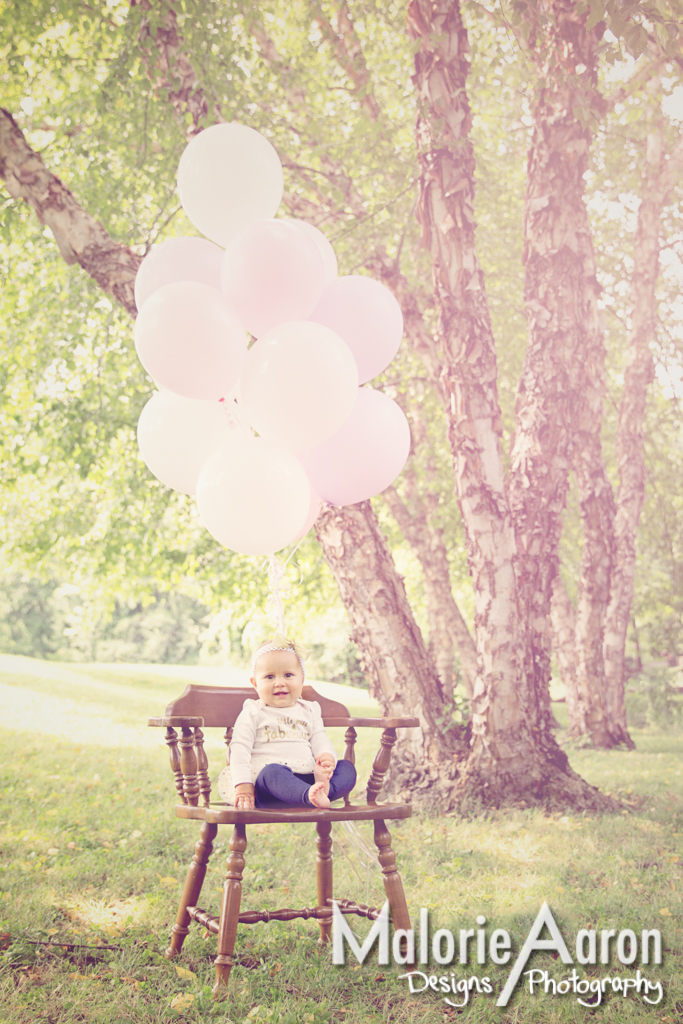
(562, 386)
(447, 628)
(401, 674)
(659, 175)
(416, 518)
(563, 622)
(514, 754)
(559, 392)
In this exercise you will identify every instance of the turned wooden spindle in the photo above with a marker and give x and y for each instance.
(227, 739)
(203, 779)
(361, 909)
(349, 744)
(349, 754)
(192, 887)
(171, 738)
(188, 765)
(323, 874)
(393, 886)
(380, 765)
(230, 908)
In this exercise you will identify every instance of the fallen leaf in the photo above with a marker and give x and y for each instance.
(166, 880)
(182, 1002)
(183, 973)
(665, 912)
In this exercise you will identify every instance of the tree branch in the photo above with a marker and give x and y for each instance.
(81, 239)
(349, 55)
(171, 70)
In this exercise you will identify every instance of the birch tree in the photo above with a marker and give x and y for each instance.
(340, 64)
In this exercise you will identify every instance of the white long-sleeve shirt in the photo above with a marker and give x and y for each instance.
(262, 735)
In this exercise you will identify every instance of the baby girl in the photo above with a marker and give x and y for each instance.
(279, 754)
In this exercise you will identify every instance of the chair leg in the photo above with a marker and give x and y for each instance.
(230, 907)
(192, 887)
(323, 874)
(393, 886)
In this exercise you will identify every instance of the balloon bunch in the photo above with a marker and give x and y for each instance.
(321, 437)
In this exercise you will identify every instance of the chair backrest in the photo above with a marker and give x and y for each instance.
(220, 705)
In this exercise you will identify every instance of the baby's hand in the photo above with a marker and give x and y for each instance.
(244, 802)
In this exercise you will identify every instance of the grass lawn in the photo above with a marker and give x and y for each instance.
(93, 858)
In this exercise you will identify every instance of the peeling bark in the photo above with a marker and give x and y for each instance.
(79, 237)
(468, 374)
(560, 388)
(514, 754)
(661, 172)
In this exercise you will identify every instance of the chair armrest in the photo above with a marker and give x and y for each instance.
(190, 722)
(374, 723)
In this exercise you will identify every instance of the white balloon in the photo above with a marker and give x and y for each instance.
(177, 435)
(299, 384)
(229, 176)
(253, 496)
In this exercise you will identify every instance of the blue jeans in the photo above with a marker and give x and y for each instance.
(278, 786)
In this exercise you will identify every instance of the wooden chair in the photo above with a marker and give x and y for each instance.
(201, 706)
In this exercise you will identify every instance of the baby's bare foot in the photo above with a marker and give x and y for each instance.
(317, 794)
(322, 775)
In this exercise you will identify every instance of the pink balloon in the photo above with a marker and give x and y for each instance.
(189, 339)
(177, 435)
(272, 273)
(253, 496)
(365, 455)
(178, 259)
(368, 318)
(324, 246)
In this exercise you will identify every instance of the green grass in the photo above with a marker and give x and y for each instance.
(92, 856)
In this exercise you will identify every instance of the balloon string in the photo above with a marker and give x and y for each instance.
(276, 574)
(277, 571)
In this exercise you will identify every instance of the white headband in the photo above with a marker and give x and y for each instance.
(280, 643)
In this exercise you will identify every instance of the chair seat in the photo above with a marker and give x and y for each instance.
(223, 814)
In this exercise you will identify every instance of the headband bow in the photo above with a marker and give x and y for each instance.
(280, 642)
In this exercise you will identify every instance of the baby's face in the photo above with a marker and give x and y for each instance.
(278, 678)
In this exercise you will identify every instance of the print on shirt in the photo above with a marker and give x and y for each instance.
(288, 729)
